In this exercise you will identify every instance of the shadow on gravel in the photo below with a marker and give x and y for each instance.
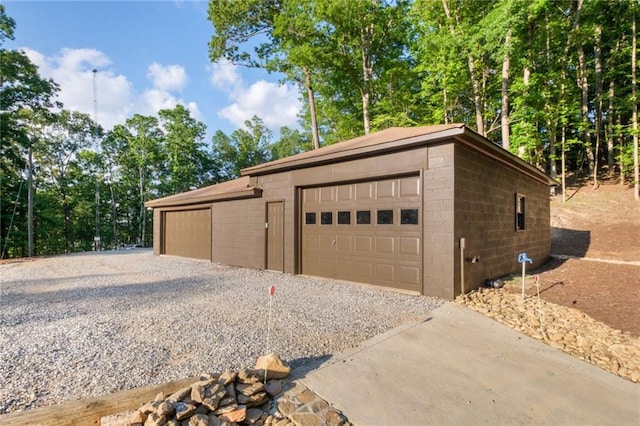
(150, 292)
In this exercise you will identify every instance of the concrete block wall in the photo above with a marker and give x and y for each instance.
(485, 206)
(438, 224)
(157, 231)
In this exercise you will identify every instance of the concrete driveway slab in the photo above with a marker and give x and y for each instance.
(460, 368)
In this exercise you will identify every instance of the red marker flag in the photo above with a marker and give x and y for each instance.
(272, 290)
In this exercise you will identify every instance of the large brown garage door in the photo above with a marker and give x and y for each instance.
(366, 232)
(187, 233)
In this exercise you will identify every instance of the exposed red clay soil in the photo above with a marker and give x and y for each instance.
(600, 230)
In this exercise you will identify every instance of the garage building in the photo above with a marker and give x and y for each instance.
(418, 209)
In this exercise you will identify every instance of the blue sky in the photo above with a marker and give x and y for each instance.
(149, 55)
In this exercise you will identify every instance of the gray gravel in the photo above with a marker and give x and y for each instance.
(90, 324)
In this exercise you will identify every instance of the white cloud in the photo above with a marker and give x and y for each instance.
(225, 76)
(116, 98)
(73, 69)
(277, 105)
(169, 78)
(153, 100)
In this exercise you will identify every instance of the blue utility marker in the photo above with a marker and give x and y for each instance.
(524, 258)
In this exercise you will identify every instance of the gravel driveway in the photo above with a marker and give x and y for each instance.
(90, 324)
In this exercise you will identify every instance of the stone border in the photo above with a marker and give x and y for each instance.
(567, 329)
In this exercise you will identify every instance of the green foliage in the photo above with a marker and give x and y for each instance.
(369, 64)
(188, 166)
(244, 148)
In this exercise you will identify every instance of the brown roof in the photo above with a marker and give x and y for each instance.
(388, 140)
(233, 189)
(380, 141)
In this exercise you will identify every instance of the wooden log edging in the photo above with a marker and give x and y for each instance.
(90, 411)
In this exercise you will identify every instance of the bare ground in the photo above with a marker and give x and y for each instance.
(599, 231)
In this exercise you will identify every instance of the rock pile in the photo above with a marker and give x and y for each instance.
(242, 397)
(567, 329)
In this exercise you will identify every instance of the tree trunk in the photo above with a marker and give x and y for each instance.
(598, 119)
(30, 203)
(143, 210)
(610, 133)
(367, 71)
(621, 145)
(475, 85)
(634, 103)
(444, 105)
(553, 167)
(312, 108)
(526, 75)
(504, 117)
(477, 100)
(584, 100)
(564, 174)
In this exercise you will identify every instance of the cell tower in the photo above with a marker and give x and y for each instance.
(96, 147)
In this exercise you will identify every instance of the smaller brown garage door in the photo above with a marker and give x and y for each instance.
(187, 233)
(367, 232)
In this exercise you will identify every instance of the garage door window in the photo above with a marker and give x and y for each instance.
(326, 218)
(363, 217)
(385, 217)
(409, 216)
(344, 218)
(310, 218)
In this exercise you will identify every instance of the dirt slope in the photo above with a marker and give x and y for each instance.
(602, 229)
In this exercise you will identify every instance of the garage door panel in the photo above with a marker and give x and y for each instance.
(187, 233)
(409, 187)
(351, 245)
(364, 244)
(327, 194)
(325, 242)
(328, 266)
(364, 191)
(385, 244)
(409, 275)
(344, 243)
(311, 197)
(386, 189)
(385, 272)
(363, 270)
(410, 246)
(310, 242)
(345, 192)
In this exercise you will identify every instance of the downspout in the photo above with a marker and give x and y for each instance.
(462, 247)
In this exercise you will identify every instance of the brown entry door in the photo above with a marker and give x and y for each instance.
(275, 236)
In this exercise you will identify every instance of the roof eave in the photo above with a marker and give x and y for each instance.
(252, 192)
(350, 154)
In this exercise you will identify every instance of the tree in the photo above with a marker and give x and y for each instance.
(291, 142)
(244, 148)
(56, 151)
(137, 145)
(188, 165)
(22, 92)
